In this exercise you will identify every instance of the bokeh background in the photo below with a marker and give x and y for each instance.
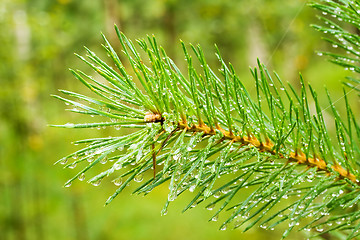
(37, 42)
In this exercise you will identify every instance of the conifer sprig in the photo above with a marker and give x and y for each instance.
(341, 25)
(204, 132)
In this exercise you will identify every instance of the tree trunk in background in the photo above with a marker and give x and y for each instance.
(256, 46)
(169, 22)
(38, 218)
(17, 210)
(79, 216)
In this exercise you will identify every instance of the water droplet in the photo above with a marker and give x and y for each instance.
(192, 188)
(207, 193)
(68, 184)
(210, 207)
(82, 177)
(217, 195)
(262, 226)
(117, 166)
(104, 160)
(117, 181)
(96, 183)
(215, 218)
(223, 228)
(226, 190)
(172, 196)
(90, 159)
(164, 212)
(139, 177)
(64, 161)
(72, 166)
(176, 157)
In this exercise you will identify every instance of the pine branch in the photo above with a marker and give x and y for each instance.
(204, 132)
(341, 22)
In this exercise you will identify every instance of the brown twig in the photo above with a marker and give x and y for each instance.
(267, 146)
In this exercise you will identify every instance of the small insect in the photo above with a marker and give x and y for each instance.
(152, 117)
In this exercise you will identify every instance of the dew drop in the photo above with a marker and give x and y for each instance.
(72, 166)
(210, 207)
(217, 195)
(68, 184)
(117, 181)
(104, 160)
(82, 177)
(215, 218)
(139, 177)
(64, 161)
(117, 166)
(207, 193)
(176, 156)
(226, 190)
(223, 228)
(96, 183)
(172, 196)
(164, 212)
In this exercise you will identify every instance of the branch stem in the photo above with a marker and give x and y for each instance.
(297, 156)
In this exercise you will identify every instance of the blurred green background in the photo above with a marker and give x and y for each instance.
(37, 42)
